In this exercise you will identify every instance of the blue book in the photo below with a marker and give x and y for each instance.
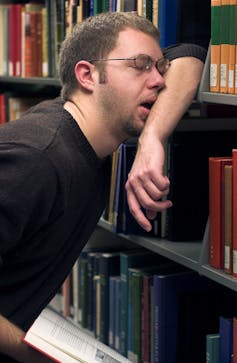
(226, 339)
(129, 224)
(212, 348)
(167, 21)
(168, 289)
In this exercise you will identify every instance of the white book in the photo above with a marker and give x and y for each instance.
(64, 341)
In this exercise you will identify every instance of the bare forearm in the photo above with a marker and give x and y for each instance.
(147, 185)
(11, 344)
(182, 81)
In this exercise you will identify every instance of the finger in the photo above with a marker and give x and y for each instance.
(152, 190)
(137, 213)
(156, 188)
(144, 200)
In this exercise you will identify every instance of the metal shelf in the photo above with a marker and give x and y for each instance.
(193, 255)
(184, 253)
(204, 94)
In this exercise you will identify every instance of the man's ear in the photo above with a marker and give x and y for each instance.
(85, 75)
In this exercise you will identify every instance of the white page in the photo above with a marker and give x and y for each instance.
(68, 337)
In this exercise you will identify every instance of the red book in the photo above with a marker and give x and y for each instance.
(12, 40)
(18, 29)
(2, 109)
(216, 210)
(234, 206)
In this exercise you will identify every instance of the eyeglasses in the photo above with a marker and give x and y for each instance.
(142, 62)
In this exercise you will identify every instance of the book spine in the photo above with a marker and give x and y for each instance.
(224, 40)
(212, 348)
(226, 339)
(234, 156)
(232, 46)
(228, 196)
(215, 46)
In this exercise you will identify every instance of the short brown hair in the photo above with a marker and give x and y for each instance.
(95, 38)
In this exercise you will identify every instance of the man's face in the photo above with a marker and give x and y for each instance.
(128, 92)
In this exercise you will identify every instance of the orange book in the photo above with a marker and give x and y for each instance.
(224, 40)
(234, 157)
(216, 210)
(215, 54)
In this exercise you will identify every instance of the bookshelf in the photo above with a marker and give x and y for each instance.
(191, 254)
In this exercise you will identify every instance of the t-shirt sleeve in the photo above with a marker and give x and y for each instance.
(185, 50)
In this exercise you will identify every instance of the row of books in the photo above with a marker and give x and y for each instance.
(12, 106)
(223, 50)
(223, 212)
(221, 347)
(30, 37)
(144, 306)
(186, 165)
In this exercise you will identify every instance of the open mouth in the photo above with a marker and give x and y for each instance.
(147, 105)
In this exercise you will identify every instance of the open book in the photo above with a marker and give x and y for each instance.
(63, 341)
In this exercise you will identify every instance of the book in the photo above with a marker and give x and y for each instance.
(225, 45)
(66, 296)
(228, 221)
(215, 54)
(114, 311)
(169, 288)
(234, 200)
(234, 339)
(3, 39)
(167, 21)
(129, 224)
(117, 292)
(212, 348)
(216, 210)
(12, 40)
(63, 341)
(232, 46)
(226, 339)
(109, 265)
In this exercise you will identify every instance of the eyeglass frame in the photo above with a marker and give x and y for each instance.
(147, 67)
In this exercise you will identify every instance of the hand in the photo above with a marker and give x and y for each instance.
(146, 184)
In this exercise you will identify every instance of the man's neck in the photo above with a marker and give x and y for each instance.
(97, 135)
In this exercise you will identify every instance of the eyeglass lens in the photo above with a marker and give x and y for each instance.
(144, 62)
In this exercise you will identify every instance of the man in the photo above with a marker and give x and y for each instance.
(55, 172)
